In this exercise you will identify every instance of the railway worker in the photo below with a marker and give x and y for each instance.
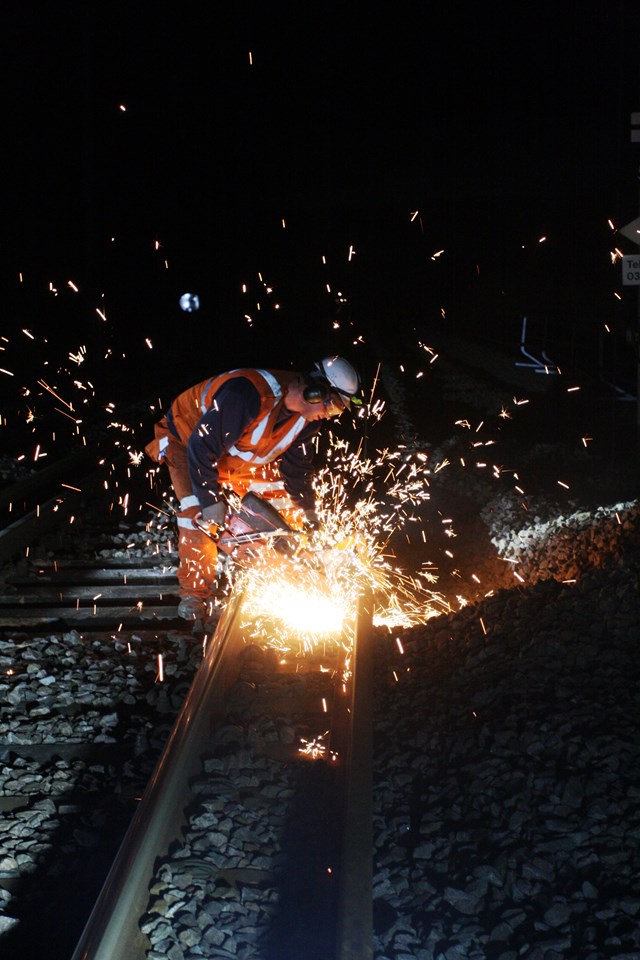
(240, 431)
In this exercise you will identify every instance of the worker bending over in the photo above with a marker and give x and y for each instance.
(240, 431)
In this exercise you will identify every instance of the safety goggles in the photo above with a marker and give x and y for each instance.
(343, 398)
(334, 403)
(335, 397)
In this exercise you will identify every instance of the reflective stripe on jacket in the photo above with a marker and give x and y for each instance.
(262, 441)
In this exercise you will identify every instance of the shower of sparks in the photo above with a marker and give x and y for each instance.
(306, 600)
(314, 748)
(298, 601)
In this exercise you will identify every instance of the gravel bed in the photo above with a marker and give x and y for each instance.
(507, 780)
(83, 725)
(67, 688)
(507, 800)
(84, 720)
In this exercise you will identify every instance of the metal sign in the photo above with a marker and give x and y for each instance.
(631, 270)
(631, 230)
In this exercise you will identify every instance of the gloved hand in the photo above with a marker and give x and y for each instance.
(214, 515)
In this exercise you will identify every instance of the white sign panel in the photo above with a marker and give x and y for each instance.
(631, 270)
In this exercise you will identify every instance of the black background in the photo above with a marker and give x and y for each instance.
(499, 124)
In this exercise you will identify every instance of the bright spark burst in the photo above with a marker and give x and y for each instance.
(314, 748)
(297, 608)
(308, 598)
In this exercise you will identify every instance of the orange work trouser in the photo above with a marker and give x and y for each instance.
(197, 553)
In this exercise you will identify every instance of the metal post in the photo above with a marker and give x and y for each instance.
(635, 138)
(632, 232)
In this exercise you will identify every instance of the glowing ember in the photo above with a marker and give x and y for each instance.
(314, 748)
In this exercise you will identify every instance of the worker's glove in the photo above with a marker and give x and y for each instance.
(213, 516)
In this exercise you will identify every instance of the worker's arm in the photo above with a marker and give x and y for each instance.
(234, 406)
(296, 467)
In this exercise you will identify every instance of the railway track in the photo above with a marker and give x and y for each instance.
(227, 787)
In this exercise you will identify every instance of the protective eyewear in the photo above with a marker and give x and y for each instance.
(334, 402)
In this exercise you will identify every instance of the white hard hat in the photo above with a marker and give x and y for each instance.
(341, 376)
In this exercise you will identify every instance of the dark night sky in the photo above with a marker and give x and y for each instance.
(500, 124)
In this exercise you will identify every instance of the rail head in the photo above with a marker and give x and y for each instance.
(355, 912)
(112, 932)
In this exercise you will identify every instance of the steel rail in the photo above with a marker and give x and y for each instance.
(112, 932)
(355, 904)
(20, 534)
(71, 466)
(41, 519)
(91, 597)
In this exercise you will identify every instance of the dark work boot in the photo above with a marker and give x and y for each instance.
(192, 608)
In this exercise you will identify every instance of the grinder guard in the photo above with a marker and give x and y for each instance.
(241, 539)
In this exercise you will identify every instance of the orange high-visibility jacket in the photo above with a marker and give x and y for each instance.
(263, 440)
